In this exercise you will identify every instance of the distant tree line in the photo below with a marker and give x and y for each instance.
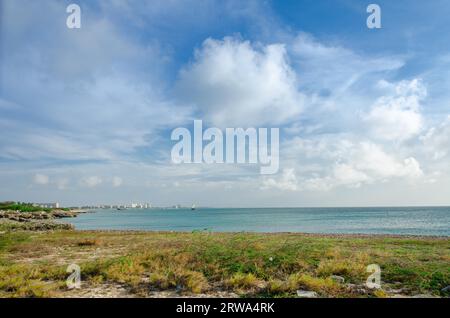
(23, 207)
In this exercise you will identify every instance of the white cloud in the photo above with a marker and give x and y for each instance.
(437, 140)
(397, 117)
(371, 158)
(117, 181)
(328, 162)
(68, 88)
(28, 144)
(235, 83)
(41, 179)
(91, 181)
(62, 183)
(287, 181)
(329, 66)
(349, 175)
(338, 82)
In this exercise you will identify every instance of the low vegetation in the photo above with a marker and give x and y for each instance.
(261, 265)
(25, 207)
(8, 225)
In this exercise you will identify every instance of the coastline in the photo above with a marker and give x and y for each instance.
(306, 234)
(14, 220)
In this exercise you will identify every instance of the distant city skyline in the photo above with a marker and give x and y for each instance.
(363, 114)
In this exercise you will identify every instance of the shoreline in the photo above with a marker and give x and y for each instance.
(16, 220)
(324, 235)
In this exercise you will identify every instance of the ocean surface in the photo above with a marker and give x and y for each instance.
(408, 220)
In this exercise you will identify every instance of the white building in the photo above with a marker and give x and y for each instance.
(48, 205)
(140, 205)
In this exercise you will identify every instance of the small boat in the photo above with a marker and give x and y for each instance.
(193, 207)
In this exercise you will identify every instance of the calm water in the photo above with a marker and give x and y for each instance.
(418, 221)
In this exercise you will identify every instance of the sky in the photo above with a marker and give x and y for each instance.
(364, 114)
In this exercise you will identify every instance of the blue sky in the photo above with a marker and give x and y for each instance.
(86, 114)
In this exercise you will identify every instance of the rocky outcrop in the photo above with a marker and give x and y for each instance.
(33, 225)
(64, 214)
(306, 294)
(338, 279)
(35, 221)
(42, 215)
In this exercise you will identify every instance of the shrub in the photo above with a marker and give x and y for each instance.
(241, 280)
(88, 242)
(321, 285)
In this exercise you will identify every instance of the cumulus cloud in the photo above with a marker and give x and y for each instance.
(345, 173)
(117, 181)
(287, 181)
(41, 179)
(397, 116)
(62, 183)
(371, 159)
(436, 141)
(341, 163)
(91, 181)
(237, 83)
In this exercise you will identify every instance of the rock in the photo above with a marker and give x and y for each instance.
(34, 225)
(306, 294)
(40, 215)
(351, 286)
(398, 296)
(395, 291)
(338, 279)
(358, 289)
(361, 291)
(261, 285)
(63, 214)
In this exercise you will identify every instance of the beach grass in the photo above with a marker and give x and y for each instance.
(33, 264)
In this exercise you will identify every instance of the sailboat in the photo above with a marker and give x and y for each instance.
(193, 207)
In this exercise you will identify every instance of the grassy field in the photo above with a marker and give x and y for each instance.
(34, 264)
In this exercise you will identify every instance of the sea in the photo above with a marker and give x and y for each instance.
(431, 221)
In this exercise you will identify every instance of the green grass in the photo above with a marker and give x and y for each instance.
(258, 265)
(23, 207)
(26, 207)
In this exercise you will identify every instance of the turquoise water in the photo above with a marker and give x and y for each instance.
(415, 221)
